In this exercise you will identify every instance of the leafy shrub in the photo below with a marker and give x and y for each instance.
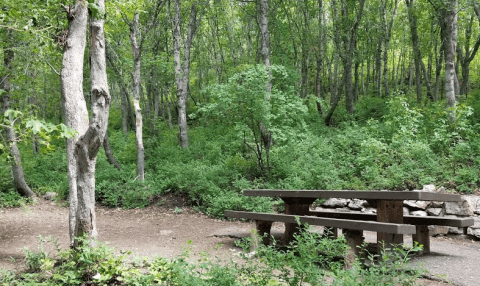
(311, 259)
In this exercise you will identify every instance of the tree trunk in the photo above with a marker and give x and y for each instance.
(76, 114)
(265, 36)
(416, 49)
(319, 93)
(450, 18)
(88, 145)
(386, 40)
(137, 56)
(109, 153)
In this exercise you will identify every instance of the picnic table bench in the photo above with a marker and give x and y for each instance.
(389, 221)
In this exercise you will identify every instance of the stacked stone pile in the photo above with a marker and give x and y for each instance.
(469, 206)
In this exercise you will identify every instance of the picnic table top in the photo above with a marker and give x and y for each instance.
(365, 195)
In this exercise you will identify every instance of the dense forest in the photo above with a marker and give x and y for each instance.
(210, 97)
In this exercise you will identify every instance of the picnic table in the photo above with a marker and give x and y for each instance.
(389, 206)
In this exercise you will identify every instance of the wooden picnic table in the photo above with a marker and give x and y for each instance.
(389, 205)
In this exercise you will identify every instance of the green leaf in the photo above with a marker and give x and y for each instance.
(35, 125)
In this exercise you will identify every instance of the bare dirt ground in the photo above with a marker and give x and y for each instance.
(159, 230)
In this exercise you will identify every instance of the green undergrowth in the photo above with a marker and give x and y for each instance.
(392, 144)
(311, 259)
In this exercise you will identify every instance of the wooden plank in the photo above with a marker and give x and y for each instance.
(365, 195)
(330, 222)
(408, 219)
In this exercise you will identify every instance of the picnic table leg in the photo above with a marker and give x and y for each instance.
(263, 230)
(422, 237)
(294, 209)
(392, 212)
(330, 232)
(354, 239)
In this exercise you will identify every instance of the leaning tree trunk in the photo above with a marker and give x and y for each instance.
(88, 145)
(76, 114)
(137, 56)
(109, 153)
(17, 170)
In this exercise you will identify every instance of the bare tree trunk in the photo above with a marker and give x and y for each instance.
(265, 43)
(319, 84)
(416, 50)
(88, 145)
(450, 17)
(386, 44)
(469, 55)
(19, 182)
(17, 169)
(137, 56)
(109, 153)
(76, 114)
(181, 95)
(182, 74)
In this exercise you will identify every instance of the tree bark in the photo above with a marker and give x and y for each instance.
(182, 74)
(109, 153)
(416, 50)
(386, 40)
(76, 114)
(88, 145)
(450, 18)
(469, 54)
(19, 182)
(137, 56)
(265, 38)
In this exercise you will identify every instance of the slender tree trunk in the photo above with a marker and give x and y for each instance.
(182, 74)
(109, 153)
(19, 182)
(17, 169)
(386, 44)
(416, 49)
(265, 52)
(378, 67)
(450, 17)
(76, 114)
(319, 84)
(88, 145)
(135, 33)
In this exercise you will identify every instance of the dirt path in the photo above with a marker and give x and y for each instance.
(159, 231)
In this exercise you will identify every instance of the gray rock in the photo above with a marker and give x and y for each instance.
(455, 230)
(434, 211)
(435, 230)
(461, 208)
(50, 196)
(406, 211)
(357, 204)
(410, 204)
(419, 213)
(416, 205)
(441, 190)
(474, 203)
(335, 203)
(369, 210)
(422, 204)
(428, 188)
(474, 232)
(436, 204)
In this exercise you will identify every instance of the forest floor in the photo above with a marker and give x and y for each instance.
(163, 230)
